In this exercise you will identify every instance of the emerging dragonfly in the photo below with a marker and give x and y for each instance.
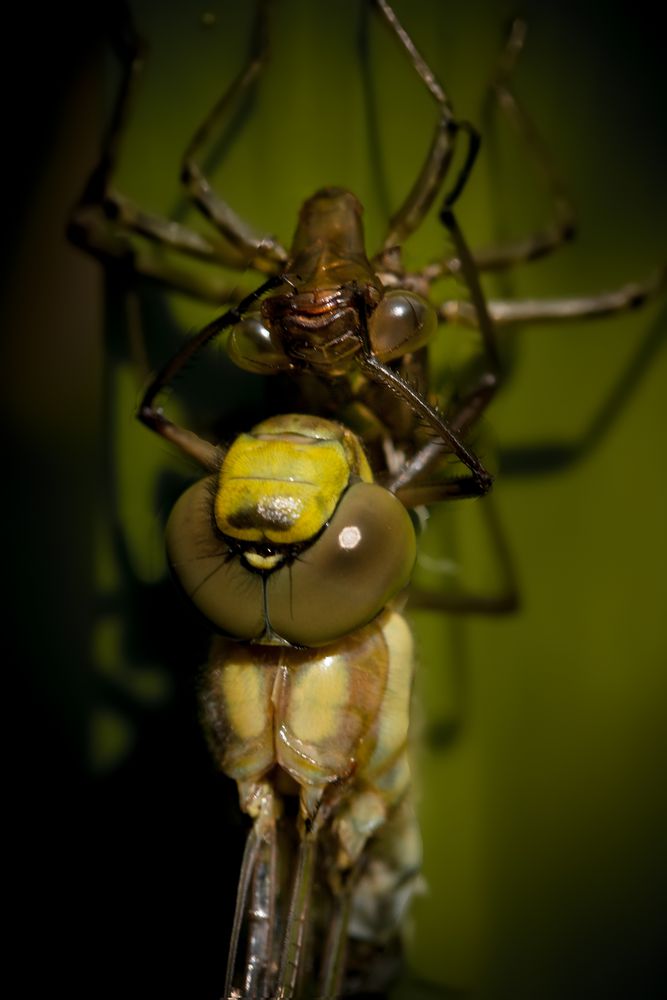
(328, 315)
(294, 553)
(341, 321)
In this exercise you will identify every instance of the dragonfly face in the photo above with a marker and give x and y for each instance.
(292, 542)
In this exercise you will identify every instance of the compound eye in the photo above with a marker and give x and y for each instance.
(218, 585)
(345, 578)
(336, 585)
(252, 346)
(402, 322)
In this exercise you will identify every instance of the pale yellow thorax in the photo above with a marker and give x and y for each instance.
(319, 694)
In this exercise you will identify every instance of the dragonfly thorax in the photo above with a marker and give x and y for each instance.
(333, 306)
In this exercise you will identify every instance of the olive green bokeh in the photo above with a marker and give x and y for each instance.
(542, 802)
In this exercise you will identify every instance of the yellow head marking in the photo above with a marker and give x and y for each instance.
(279, 489)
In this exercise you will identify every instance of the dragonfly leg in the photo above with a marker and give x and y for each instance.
(470, 408)
(263, 252)
(203, 452)
(559, 310)
(563, 228)
(410, 214)
(481, 480)
(103, 220)
(482, 394)
(548, 457)
(554, 456)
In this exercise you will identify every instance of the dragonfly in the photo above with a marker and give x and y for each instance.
(295, 556)
(253, 328)
(342, 343)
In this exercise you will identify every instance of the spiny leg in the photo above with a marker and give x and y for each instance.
(191, 444)
(376, 160)
(550, 456)
(438, 159)
(479, 482)
(413, 485)
(103, 220)
(498, 313)
(517, 311)
(262, 252)
(423, 481)
(543, 242)
(471, 407)
(479, 397)
(553, 456)
(563, 228)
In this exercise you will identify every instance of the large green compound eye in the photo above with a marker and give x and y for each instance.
(362, 559)
(402, 322)
(220, 587)
(339, 583)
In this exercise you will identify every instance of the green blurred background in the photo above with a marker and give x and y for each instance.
(542, 798)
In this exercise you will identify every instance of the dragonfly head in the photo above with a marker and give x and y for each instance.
(292, 541)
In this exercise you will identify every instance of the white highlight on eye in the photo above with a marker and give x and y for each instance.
(349, 537)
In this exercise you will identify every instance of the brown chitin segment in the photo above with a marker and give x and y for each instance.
(318, 320)
(328, 248)
(326, 704)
